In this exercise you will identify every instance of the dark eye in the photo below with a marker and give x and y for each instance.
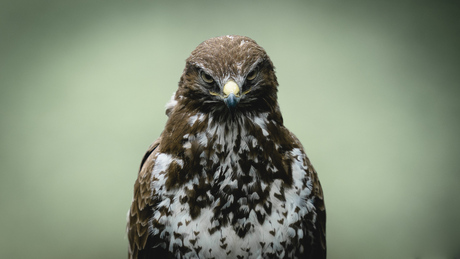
(252, 75)
(206, 78)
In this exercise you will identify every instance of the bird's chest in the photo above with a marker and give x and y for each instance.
(234, 228)
(229, 209)
(232, 192)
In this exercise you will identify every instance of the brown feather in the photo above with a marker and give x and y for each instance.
(142, 205)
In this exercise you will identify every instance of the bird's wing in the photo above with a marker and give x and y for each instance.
(319, 241)
(140, 244)
(318, 249)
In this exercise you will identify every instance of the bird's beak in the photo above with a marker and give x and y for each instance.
(231, 94)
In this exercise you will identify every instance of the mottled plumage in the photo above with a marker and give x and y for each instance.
(226, 179)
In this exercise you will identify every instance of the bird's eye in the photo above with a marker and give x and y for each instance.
(252, 75)
(206, 78)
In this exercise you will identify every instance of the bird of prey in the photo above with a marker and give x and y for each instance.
(226, 178)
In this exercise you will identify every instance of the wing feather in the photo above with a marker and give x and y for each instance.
(319, 244)
(141, 208)
(319, 248)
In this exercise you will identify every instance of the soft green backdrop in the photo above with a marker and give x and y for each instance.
(370, 87)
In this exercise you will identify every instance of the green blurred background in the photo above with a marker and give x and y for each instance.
(371, 88)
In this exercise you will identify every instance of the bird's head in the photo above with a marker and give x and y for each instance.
(229, 75)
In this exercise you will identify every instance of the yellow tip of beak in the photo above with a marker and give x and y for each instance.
(231, 88)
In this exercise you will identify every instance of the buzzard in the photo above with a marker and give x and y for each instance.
(226, 178)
